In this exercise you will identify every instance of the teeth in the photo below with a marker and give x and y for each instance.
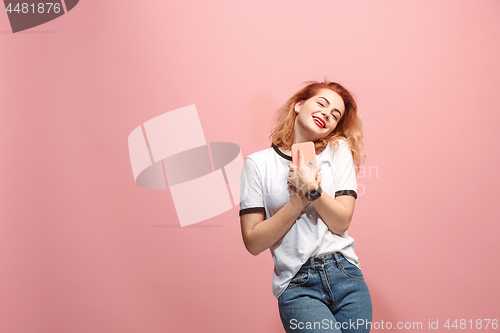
(319, 122)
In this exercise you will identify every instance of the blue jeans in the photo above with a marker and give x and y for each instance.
(328, 294)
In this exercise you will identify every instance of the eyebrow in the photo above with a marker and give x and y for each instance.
(326, 100)
(340, 113)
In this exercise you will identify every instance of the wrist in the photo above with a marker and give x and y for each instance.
(313, 187)
(314, 194)
(295, 206)
(308, 187)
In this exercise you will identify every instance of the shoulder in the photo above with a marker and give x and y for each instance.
(256, 164)
(338, 151)
(260, 157)
(338, 147)
(342, 144)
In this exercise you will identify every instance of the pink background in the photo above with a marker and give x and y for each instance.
(83, 249)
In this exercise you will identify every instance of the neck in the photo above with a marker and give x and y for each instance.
(298, 136)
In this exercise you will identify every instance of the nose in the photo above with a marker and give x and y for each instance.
(324, 113)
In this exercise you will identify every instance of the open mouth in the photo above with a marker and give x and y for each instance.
(319, 122)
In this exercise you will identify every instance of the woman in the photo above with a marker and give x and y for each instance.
(302, 213)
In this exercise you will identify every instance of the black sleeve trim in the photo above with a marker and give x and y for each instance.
(347, 192)
(252, 210)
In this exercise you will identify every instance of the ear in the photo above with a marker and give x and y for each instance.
(298, 105)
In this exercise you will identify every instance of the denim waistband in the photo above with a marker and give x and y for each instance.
(335, 257)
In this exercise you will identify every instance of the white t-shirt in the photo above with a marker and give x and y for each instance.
(264, 189)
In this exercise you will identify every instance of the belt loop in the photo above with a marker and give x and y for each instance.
(337, 259)
(311, 262)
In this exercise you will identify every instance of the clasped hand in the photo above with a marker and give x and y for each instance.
(302, 179)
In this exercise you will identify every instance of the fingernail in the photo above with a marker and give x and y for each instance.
(299, 149)
(310, 162)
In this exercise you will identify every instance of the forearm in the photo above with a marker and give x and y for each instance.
(269, 231)
(334, 214)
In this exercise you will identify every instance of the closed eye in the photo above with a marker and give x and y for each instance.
(334, 116)
(321, 105)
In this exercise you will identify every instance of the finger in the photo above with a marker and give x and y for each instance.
(301, 156)
(318, 179)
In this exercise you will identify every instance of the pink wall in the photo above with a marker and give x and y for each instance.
(84, 249)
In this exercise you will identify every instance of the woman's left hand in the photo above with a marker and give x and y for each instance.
(303, 176)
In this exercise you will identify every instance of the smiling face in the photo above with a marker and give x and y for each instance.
(318, 116)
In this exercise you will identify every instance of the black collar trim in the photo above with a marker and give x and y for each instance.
(279, 152)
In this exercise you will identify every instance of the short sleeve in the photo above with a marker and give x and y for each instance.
(344, 171)
(251, 199)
